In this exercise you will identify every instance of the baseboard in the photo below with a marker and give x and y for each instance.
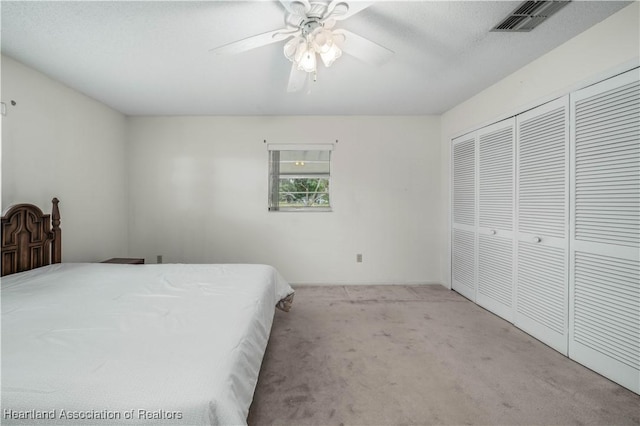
(320, 284)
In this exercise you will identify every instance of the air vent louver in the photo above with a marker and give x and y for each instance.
(529, 15)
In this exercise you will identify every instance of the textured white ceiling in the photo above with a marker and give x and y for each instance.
(152, 58)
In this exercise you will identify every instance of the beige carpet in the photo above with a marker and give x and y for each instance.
(414, 355)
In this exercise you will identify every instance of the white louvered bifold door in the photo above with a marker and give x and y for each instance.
(463, 233)
(542, 223)
(496, 185)
(605, 229)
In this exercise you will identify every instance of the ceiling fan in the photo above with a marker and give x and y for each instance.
(309, 26)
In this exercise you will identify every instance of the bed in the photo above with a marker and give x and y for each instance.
(97, 343)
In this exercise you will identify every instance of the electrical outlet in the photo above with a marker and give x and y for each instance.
(359, 257)
(159, 258)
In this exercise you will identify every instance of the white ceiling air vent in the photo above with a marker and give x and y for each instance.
(529, 15)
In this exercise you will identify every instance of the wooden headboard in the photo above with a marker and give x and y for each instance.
(29, 238)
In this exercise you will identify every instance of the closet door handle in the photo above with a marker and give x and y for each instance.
(537, 239)
(493, 232)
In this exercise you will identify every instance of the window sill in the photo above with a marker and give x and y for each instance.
(302, 210)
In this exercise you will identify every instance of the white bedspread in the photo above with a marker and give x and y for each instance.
(158, 344)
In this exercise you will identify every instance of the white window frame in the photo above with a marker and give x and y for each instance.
(273, 178)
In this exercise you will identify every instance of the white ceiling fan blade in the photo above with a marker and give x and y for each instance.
(296, 7)
(341, 9)
(255, 41)
(297, 79)
(363, 49)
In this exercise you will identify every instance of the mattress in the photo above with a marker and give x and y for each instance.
(156, 344)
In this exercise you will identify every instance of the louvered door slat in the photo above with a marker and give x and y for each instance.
(463, 257)
(609, 313)
(463, 236)
(615, 136)
(542, 215)
(495, 270)
(598, 117)
(605, 229)
(608, 159)
(464, 191)
(542, 285)
(605, 99)
(614, 326)
(496, 179)
(622, 145)
(542, 187)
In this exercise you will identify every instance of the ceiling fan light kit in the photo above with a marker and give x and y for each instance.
(303, 49)
(309, 26)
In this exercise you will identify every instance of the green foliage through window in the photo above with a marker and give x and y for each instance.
(303, 192)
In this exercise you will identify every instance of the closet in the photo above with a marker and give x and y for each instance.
(546, 224)
(495, 218)
(463, 233)
(542, 223)
(604, 284)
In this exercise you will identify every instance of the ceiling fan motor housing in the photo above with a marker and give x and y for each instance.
(311, 36)
(309, 25)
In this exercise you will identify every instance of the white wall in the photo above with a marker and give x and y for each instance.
(58, 142)
(198, 184)
(607, 48)
(198, 193)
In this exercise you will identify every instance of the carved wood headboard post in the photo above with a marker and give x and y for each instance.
(56, 248)
(28, 239)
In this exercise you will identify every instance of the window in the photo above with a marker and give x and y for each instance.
(299, 177)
